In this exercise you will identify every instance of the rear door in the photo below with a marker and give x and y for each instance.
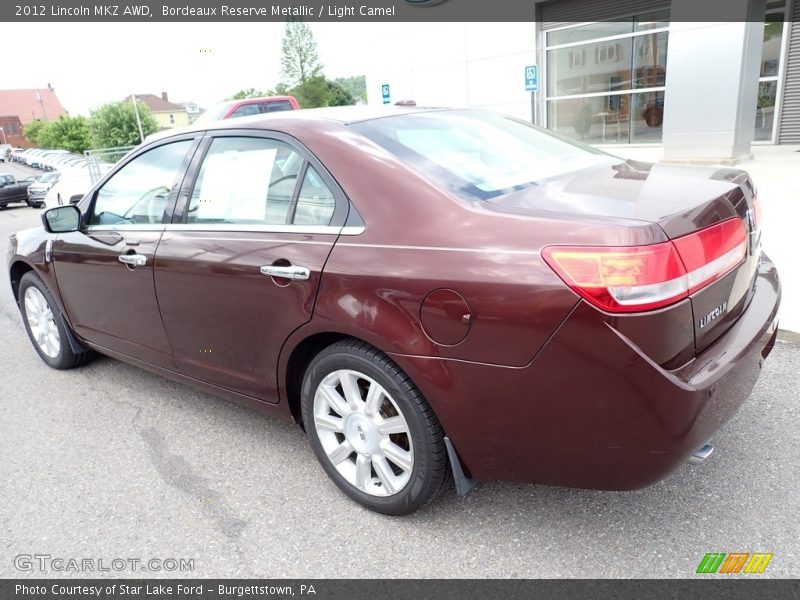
(240, 269)
(105, 270)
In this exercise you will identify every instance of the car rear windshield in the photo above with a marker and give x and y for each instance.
(276, 106)
(476, 154)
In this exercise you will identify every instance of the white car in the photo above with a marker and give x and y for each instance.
(49, 157)
(37, 192)
(71, 182)
(26, 155)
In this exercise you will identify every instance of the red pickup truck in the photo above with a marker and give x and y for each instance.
(248, 106)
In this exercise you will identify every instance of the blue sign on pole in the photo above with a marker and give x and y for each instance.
(531, 78)
(386, 94)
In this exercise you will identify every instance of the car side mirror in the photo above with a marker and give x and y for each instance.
(76, 198)
(61, 219)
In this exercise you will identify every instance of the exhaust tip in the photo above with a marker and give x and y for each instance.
(703, 453)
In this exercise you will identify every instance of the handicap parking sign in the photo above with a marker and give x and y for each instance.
(531, 78)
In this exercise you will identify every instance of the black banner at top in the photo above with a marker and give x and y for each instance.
(362, 10)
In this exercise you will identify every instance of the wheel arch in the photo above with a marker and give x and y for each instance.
(301, 348)
(297, 362)
(18, 269)
(16, 272)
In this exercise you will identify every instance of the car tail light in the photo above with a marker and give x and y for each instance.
(756, 211)
(639, 278)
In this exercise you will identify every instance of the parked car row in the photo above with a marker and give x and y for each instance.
(47, 159)
(67, 175)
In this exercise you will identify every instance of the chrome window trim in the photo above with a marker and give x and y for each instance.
(349, 230)
(131, 227)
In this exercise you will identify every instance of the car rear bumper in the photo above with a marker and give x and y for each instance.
(592, 410)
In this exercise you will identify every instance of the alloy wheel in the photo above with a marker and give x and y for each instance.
(363, 433)
(42, 322)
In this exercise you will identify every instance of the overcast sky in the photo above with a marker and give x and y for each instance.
(94, 63)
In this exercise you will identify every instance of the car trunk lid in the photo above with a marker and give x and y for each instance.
(681, 200)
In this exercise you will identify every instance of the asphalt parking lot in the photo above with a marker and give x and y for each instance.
(108, 461)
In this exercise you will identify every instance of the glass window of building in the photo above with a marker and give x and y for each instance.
(771, 56)
(605, 81)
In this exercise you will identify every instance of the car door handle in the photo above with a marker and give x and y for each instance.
(135, 260)
(286, 272)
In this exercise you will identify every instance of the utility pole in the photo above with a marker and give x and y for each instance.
(138, 119)
(41, 102)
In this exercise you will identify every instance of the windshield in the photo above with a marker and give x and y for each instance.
(215, 113)
(49, 178)
(476, 154)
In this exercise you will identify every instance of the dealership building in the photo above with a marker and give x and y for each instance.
(636, 72)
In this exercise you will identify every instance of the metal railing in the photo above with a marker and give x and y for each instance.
(100, 160)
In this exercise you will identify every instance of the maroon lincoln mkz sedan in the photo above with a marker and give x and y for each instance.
(430, 293)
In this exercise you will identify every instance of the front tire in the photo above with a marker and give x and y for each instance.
(372, 430)
(45, 325)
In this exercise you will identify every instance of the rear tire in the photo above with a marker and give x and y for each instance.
(380, 443)
(45, 325)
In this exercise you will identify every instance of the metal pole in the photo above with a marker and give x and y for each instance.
(41, 102)
(138, 120)
(533, 110)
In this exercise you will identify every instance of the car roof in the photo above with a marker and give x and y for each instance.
(346, 115)
(243, 101)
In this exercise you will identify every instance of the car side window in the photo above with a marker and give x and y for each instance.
(245, 181)
(138, 193)
(245, 111)
(275, 106)
(315, 203)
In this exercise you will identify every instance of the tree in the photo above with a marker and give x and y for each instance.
(68, 133)
(251, 93)
(312, 93)
(114, 124)
(35, 131)
(338, 95)
(299, 60)
(318, 91)
(356, 86)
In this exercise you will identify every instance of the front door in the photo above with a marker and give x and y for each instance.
(241, 271)
(105, 270)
